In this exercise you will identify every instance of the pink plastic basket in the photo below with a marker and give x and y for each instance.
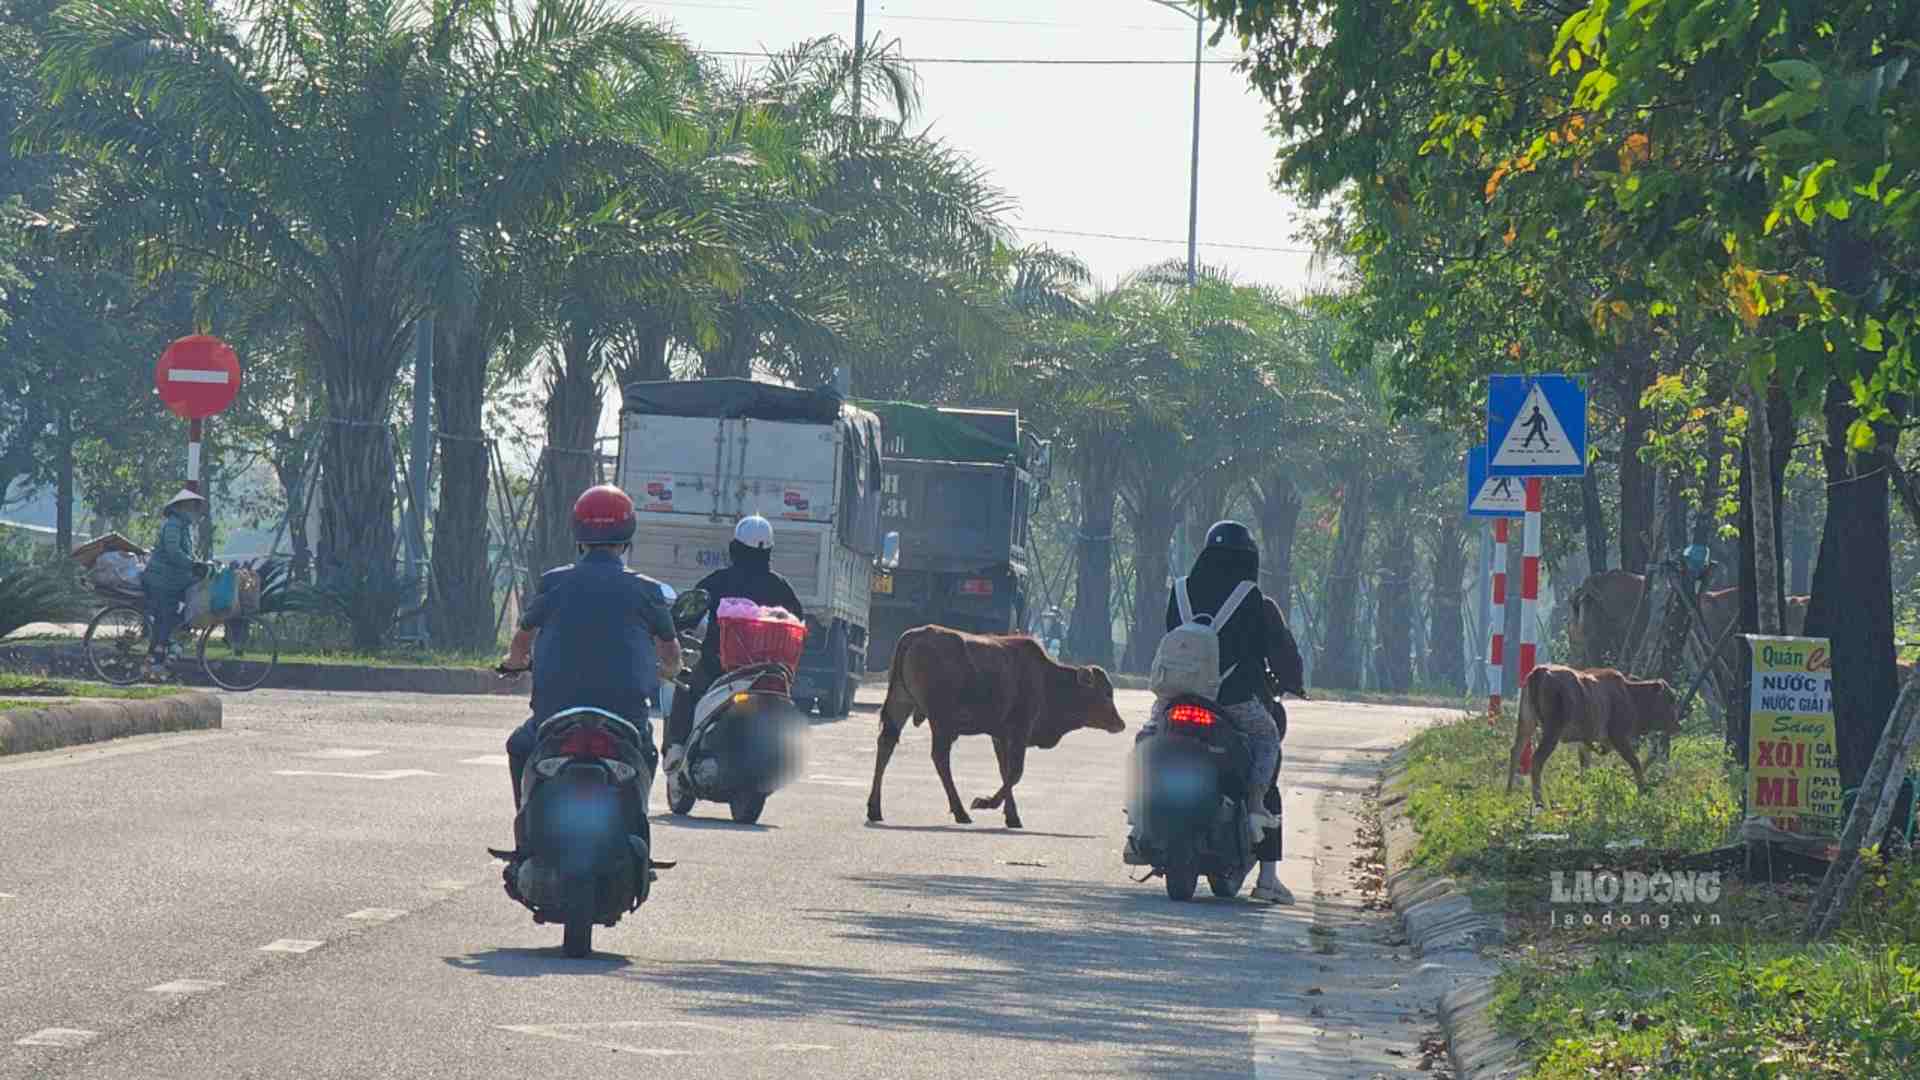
(746, 642)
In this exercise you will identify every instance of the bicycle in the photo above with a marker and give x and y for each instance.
(237, 654)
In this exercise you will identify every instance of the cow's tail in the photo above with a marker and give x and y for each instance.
(1530, 691)
(900, 705)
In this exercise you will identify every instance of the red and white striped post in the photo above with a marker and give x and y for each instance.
(1497, 622)
(195, 431)
(1529, 598)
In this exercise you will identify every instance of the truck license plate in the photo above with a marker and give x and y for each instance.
(883, 584)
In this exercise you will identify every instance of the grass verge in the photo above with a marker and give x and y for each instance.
(1722, 989)
(32, 691)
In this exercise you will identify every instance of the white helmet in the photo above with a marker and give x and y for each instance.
(754, 532)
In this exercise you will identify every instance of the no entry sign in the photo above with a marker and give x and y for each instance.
(197, 376)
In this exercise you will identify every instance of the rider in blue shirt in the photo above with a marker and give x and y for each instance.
(598, 634)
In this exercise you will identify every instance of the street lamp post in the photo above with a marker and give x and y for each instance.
(1193, 178)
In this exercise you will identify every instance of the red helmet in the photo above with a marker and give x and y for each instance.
(603, 515)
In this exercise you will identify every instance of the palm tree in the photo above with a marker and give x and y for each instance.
(344, 157)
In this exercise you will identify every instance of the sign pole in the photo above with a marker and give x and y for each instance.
(1497, 623)
(196, 429)
(1529, 599)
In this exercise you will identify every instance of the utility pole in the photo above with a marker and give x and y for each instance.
(859, 52)
(420, 458)
(1193, 176)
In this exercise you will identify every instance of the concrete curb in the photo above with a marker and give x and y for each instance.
(1442, 926)
(24, 731)
(70, 661)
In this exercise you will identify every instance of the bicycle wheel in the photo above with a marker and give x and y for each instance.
(239, 654)
(117, 644)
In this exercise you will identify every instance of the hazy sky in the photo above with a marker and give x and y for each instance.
(1087, 149)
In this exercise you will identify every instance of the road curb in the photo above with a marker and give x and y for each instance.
(1441, 925)
(70, 661)
(25, 731)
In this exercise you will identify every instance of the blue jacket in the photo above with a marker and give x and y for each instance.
(170, 566)
(597, 621)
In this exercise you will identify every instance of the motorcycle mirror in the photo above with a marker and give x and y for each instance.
(890, 551)
(689, 608)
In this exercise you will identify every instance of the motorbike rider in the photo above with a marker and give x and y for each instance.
(587, 631)
(1228, 558)
(748, 575)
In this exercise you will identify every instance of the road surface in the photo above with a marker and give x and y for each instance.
(307, 894)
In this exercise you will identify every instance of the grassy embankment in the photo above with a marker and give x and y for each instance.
(1740, 998)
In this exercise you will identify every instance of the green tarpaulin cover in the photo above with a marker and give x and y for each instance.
(908, 430)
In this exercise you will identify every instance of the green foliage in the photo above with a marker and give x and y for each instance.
(38, 595)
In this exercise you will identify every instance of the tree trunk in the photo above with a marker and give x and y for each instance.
(1446, 634)
(1636, 491)
(1394, 622)
(1153, 519)
(1090, 634)
(1594, 517)
(357, 532)
(645, 359)
(1779, 450)
(62, 485)
(1340, 649)
(1278, 503)
(1766, 522)
(573, 420)
(290, 466)
(461, 616)
(1706, 520)
(1852, 602)
(1676, 516)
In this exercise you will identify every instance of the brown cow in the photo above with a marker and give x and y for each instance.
(975, 684)
(1602, 609)
(1598, 707)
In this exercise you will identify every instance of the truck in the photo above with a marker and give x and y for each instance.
(698, 455)
(958, 486)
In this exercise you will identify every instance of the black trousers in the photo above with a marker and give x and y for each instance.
(679, 723)
(1268, 849)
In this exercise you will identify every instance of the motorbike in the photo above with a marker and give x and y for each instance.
(581, 850)
(1188, 804)
(747, 733)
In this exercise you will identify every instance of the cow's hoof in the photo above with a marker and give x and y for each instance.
(984, 803)
(962, 818)
(1013, 823)
(873, 817)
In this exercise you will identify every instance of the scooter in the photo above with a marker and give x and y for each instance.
(747, 734)
(582, 853)
(1188, 804)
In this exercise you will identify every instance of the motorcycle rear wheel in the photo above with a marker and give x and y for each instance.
(682, 804)
(1226, 886)
(746, 808)
(1181, 881)
(581, 901)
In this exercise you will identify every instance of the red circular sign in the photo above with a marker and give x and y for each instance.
(197, 376)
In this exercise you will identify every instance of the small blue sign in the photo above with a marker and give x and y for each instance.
(1492, 496)
(1536, 425)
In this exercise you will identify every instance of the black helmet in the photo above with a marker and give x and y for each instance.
(1233, 536)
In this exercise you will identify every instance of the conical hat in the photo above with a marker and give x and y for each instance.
(184, 496)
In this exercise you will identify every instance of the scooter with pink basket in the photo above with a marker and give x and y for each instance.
(747, 735)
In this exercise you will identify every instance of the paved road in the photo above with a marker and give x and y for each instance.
(307, 894)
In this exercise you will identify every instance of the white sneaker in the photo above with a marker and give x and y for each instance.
(1273, 893)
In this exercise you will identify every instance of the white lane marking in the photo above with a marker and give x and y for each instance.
(339, 753)
(291, 945)
(377, 914)
(835, 781)
(9, 896)
(186, 986)
(133, 744)
(448, 885)
(390, 774)
(65, 1038)
(611, 1036)
(487, 759)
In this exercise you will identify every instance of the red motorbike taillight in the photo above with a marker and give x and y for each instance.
(1190, 716)
(589, 742)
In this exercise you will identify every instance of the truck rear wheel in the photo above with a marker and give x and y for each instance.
(838, 700)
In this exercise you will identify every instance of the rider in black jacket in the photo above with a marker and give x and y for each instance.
(748, 575)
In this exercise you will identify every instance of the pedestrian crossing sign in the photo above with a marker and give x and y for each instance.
(1536, 426)
(1492, 496)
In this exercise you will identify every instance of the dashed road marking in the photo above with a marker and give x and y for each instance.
(65, 1038)
(9, 896)
(390, 774)
(449, 885)
(186, 986)
(338, 753)
(614, 1036)
(835, 781)
(499, 760)
(291, 945)
(377, 914)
